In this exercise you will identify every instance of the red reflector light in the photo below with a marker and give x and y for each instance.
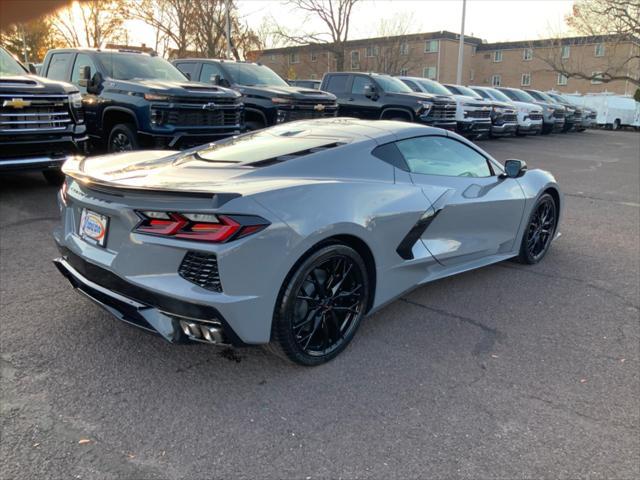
(225, 227)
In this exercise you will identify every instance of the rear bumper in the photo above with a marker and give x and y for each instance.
(140, 307)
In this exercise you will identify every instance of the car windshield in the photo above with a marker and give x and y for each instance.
(433, 87)
(545, 97)
(559, 98)
(519, 96)
(8, 65)
(251, 74)
(127, 66)
(497, 95)
(392, 85)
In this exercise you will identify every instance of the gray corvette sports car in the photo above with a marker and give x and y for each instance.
(290, 235)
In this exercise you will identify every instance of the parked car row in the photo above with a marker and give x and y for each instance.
(121, 100)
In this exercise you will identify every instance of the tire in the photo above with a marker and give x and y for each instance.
(314, 322)
(53, 176)
(254, 125)
(616, 124)
(123, 138)
(537, 237)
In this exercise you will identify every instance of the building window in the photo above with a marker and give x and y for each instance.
(294, 57)
(527, 54)
(430, 72)
(562, 79)
(272, 57)
(404, 48)
(431, 46)
(371, 51)
(497, 56)
(355, 60)
(496, 80)
(404, 72)
(566, 51)
(313, 56)
(313, 76)
(596, 78)
(472, 75)
(599, 50)
(525, 80)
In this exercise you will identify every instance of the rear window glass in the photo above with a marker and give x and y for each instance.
(261, 146)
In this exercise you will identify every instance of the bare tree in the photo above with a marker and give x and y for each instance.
(390, 48)
(90, 23)
(37, 36)
(618, 23)
(336, 17)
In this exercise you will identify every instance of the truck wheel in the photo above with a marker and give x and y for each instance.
(123, 138)
(254, 125)
(616, 124)
(53, 176)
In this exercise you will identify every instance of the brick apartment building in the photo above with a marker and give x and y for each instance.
(435, 55)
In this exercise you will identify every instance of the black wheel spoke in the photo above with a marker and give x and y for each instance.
(541, 228)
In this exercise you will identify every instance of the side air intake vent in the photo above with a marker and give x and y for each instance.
(202, 269)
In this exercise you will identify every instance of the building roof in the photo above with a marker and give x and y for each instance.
(548, 42)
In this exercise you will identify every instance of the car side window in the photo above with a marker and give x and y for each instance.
(58, 66)
(434, 155)
(483, 94)
(412, 85)
(82, 60)
(209, 70)
(337, 84)
(188, 68)
(358, 85)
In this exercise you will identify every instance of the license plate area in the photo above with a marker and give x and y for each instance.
(93, 227)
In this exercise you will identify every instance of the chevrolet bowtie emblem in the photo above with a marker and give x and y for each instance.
(16, 103)
(319, 108)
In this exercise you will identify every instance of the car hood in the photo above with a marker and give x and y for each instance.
(529, 107)
(297, 93)
(183, 89)
(420, 97)
(34, 85)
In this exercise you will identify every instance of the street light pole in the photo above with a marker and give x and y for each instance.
(228, 31)
(461, 45)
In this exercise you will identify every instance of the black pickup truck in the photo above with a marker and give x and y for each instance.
(375, 96)
(41, 121)
(268, 98)
(135, 100)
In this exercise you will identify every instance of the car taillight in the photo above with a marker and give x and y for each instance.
(203, 227)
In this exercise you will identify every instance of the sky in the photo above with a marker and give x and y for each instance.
(492, 20)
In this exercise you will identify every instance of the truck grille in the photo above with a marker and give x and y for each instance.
(202, 269)
(306, 110)
(558, 114)
(535, 116)
(578, 115)
(510, 117)
(205, 118)
(442, 112)
(40, 113)
(479, 113)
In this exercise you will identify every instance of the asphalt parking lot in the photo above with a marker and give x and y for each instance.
(507, 372)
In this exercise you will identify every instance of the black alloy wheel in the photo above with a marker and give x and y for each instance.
(122, 139)
(540, 230)
(321, 306)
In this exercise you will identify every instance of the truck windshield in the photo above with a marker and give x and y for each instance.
(519, 96)
(8, 65)
(127, 66)
(497, 95)
(434, 87)
(250, 74)
(392, 85)
(559, 98)
(467, 91)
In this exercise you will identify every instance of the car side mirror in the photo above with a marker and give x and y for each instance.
(32, 69)
(215, 79)
(514, 168)
(370, 91)
(85, 75)
(95, 85)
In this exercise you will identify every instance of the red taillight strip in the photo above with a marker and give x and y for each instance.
(211, 232)
(163, 227)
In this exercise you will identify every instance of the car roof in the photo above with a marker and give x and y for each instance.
(347, 129)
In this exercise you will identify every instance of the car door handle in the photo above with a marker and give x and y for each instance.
(350, 99)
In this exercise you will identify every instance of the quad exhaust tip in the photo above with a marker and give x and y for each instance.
(202, 332)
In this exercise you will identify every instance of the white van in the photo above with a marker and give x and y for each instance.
(614, 111)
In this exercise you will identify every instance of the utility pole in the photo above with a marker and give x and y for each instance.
(461, 45)
(228, 30)
(24, 47)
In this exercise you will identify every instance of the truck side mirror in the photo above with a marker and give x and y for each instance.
(85, 75)
(95, 84)
(370, 91)
(32, 69)
(215, 79)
